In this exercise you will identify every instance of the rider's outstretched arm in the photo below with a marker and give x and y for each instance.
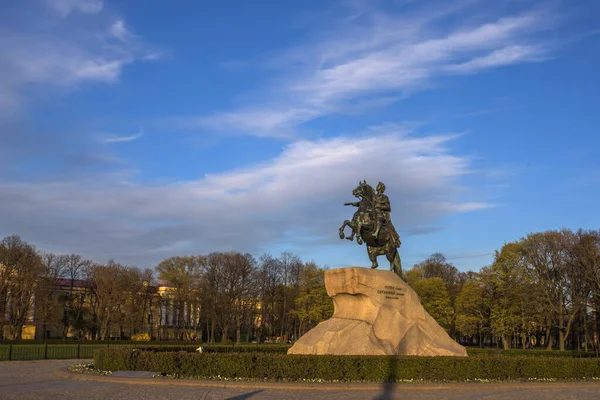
(355, 204)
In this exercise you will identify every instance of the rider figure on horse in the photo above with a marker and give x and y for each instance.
(382, 209)
(372, 225)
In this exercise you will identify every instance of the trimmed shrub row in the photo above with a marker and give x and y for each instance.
(530, 353)
(283, 348)
(283, 367)
(273, 349)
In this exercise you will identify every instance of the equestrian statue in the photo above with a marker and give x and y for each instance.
(372, 225)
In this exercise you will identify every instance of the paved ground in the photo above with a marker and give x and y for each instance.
(38, 380)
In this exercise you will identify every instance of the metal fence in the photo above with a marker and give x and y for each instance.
(83, 350)
(10, 352)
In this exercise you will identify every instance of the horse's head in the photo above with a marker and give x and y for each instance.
(363, 190)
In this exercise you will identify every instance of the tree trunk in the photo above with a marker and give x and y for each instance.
(225, 331)
(561, 325)
(505, 343)
(18, 332)
(272, 324)
(586, 336)
(238, 329)
(549, 338)
(561, 339)
(282, 331)
(597, 329)
(208, 337)
(250, 326)
(197, 321)
(105, 327)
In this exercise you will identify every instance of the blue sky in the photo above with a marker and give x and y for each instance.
(143, 130)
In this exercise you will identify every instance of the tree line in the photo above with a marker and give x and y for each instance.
(219, 297)
(543, 290)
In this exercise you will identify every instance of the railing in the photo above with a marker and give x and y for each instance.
(82, 350)
(11, 352)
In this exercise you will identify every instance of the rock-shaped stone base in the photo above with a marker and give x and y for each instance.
(376, 313)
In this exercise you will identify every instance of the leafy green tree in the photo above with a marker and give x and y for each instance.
(473, 312)
(514, 298)
(313, 305)
(435, 299)
(413, 275)
(437, 266)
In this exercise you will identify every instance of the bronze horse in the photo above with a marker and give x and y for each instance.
(363, 226)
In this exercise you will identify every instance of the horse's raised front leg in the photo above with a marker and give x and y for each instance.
(342, 235)
(344, 225)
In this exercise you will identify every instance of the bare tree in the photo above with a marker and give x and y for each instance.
(109, 285)
(586, 255)
(548, 258)
(75, 269)
(290, 267)
(47, 305)
(21, 267)
(212, 286)
(240, 283)
(269, 283)
(184, 274)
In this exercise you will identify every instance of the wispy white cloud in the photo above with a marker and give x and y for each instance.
(250, 207)
(408, 65)
(261, 122)
(502, 57)
(65, 53)
(121, 139)
(65, 7)
(476, 113)
(120, 31)
(375, 54)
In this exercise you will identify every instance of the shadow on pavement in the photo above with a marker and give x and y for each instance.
(244, 396)
(390, 381)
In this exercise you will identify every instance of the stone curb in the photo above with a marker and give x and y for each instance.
(66, 374)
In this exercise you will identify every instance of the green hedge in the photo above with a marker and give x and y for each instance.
(283, 348)
(530, 353)
(282, 367)
(275, 349)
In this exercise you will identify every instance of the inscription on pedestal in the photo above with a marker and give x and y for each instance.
(391, 292)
